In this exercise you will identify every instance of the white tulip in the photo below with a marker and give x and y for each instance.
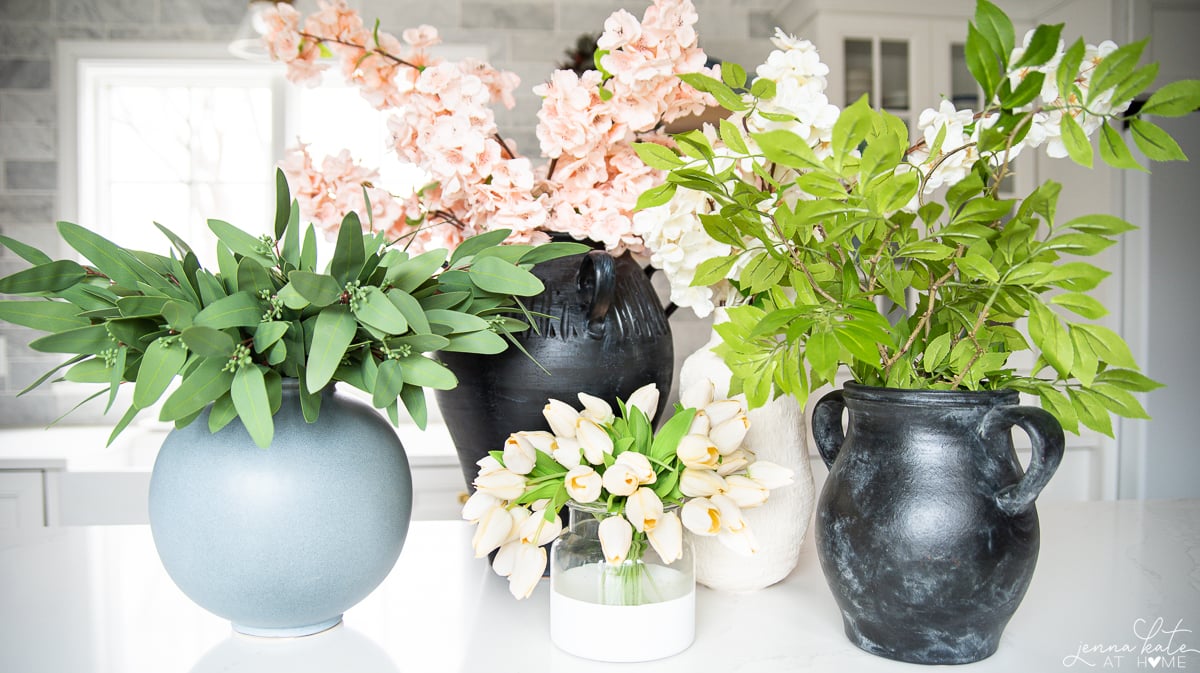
(596, 409)
(698, 395)
(644, 509)
(593, 439)
(503, 484)
(540, 439)
(731, 515)
(561, 417)
(583, 483)
(641, 466)
(697, 451)
(519, 454)
(505, 558)
(568, 452)
(700, 424)
(734, 462)
(529, 563)
(700, 483)
(621, 479)
(770, 475)
(728, 436)
(746, 492)
(701, 517)
(667, 537)
(741, 541)
(646, 399)
(492, 531)
(616, 534)
(488, 464)
(537, 530)
(723, 410)
(478, 504)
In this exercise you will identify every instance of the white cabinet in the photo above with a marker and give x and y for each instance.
(22, 499)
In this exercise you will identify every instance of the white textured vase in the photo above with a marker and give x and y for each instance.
(778, 434)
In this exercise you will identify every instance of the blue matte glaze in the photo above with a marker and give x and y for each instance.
(281, 541)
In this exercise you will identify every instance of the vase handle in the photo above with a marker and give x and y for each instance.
(827, 426)
(597, 285)
(1046, 434)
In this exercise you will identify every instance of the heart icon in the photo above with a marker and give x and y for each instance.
(1154, 661)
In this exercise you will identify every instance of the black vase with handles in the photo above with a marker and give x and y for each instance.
(926, 527)
(602, 331)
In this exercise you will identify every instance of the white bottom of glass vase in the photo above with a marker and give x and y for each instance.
(621, 633)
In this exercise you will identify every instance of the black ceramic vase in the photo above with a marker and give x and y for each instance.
(606, 334)
(926, 527)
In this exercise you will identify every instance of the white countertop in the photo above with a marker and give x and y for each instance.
(96, 600)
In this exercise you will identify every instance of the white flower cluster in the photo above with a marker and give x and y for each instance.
(799, 76)
(717, 477)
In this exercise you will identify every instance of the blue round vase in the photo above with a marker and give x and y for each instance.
(282, 540)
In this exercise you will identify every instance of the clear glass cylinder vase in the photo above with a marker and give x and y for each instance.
(638, 610)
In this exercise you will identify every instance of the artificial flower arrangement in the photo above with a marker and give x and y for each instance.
(815, 224)
(268, 313)
(645, 487)
(445, 125)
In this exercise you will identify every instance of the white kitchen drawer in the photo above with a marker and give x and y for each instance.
(22, 499)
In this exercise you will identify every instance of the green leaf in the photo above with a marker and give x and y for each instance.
(389, 381)
(763, 88)
(733, 74)
(1077, 244)
(249, 394)
(1108, 345)
(137, 306)
(553, 250)
(1113, 150)
(928, 250)
(731, 135)
(1075, 276)
(786, 149)
(376, 310)
(424, 343)
(1042, 47)
(409, 274)
(995, 27)
(1174, 100)
(48, 277)
(240, 242)
(208, 381)
(1081, 304)
(178, 315)
(126, 419)
(935, 353)
(1127, 379)
(421, 371)
(657, 156)
(1154, 142)
(121, 267)
(1051, 338)
(222, 413)
(1135, 84)
(1076, 141)
(484, 342)
(253, 277)
(976, 266)
(241, 309)
(1068, 67)
(476, 243)
(656, 196)
(1119, 402)
(414, 401)
(92, 370)
(1086, 362)
(713, 270)
(161, 362)
(283, 203)
(308, 252)
(26, 252)
(291, 237)
(348, 253)
(320, 290)
(1091, 410)
(666, 440)
(1029, 89)
(822, 351)
(983, 60)
(208, 342)
(1115, 67)
(93, 339)
(726, 97)
(266, 334)
(496, 275)
(1060, 407)
(47, 316)
(335, 328)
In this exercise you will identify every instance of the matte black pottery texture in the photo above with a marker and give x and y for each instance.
(607, 335)
(926, 528)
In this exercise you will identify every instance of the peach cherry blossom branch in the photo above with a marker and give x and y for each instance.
(375, 50)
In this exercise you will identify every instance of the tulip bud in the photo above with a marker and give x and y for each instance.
(505, 558)
(596, 409)
(568, 454)
(561, 417)
(741, 541)
(723, 410)
(503, 484)
(731, 514)
(700, 424)
(620, 479)
(644, 509)
(696, 451)
(646, 399)
(769, 474)
(700, 483)
(583, 484)
(478, 504)
(641, 466)
(667, 537)
(698, 395)
(493, 530)
(734, 462)
(746, 492)
(728, 436)
(488, 464)
(519, 454)
(540, 439)
(701, 517)
(616, 534)
(538, 530)
(528, 566)
(593, 439)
